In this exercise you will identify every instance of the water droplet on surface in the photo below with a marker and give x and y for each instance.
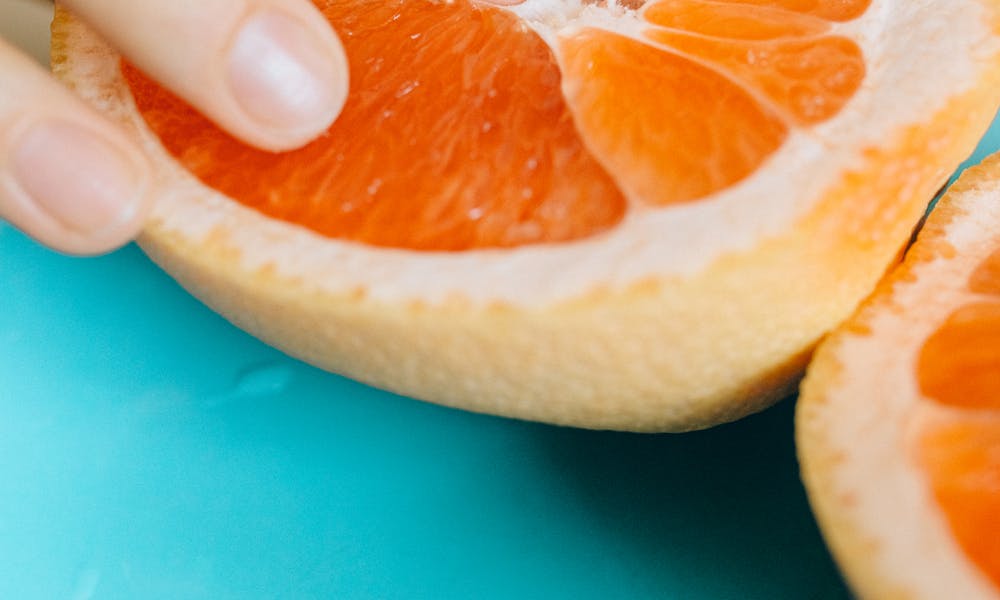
(262, 380)
(86, 585)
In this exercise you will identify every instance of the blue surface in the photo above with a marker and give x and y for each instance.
(149, 449)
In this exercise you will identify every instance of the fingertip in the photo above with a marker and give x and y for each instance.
(289, 77)
(272, 73)
(74, 187)
(113, 235)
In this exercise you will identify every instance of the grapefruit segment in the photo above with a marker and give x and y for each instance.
(732, 21)
(454, 136)
(809, 81)
(667, 147)
(959, 364)
(962, 461)
(833, 10)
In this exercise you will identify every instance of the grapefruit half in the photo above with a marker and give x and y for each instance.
(636, 216)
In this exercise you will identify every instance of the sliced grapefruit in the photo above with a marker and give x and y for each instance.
(632, 216)
(899, 420)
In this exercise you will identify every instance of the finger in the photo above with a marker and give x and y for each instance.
(67, 177)
(271, 72)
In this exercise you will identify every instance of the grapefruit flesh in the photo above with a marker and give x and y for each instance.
(465, 130)
(959, 368)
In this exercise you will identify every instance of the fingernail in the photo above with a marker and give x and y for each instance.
(75, 176)
(283, 75)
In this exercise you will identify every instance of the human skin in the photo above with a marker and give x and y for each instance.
(270, 72)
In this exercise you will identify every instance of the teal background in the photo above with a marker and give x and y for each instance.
(148, 449)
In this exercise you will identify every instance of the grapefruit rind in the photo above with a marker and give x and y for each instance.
(861, 407)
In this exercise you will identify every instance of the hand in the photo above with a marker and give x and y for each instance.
(270, 72)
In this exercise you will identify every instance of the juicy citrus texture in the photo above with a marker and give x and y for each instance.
(733, 21)
(959, 365)
(452, 137)
(963, 465)
(834, 10)
(959, 368)
(461, 131)
(727, 140)
(806, 81)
